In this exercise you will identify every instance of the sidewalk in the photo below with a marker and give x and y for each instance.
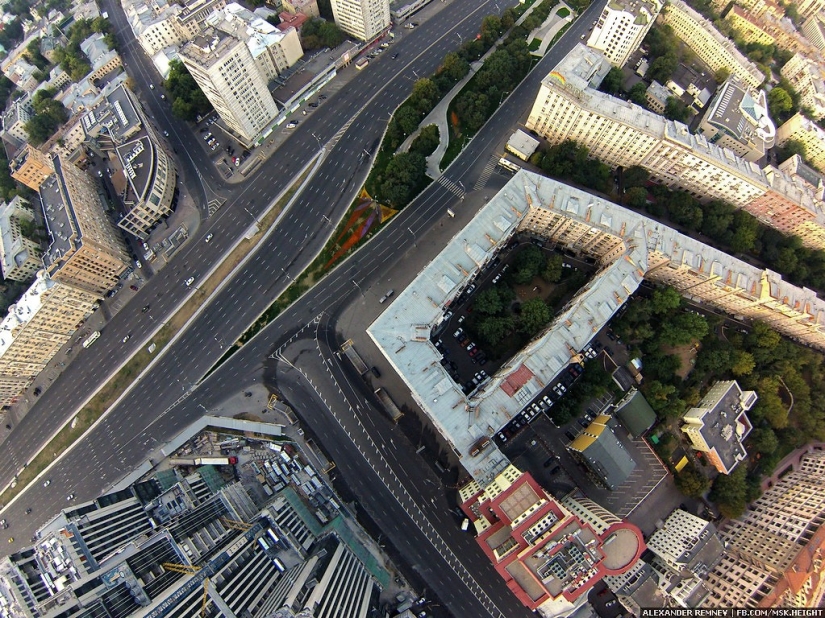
(551, 26)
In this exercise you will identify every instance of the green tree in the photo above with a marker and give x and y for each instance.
(612, 82)
(424, 95)
(792, 147)
(635, 176)
(454, 66)
(717, 219)
(691, 482)
(492, 329)
(683, 328)
(535, 315)
(401, 178)
(662, 68)
(743, 363)
(407, 119)
(488, 302)
(188, 100)
(553, 269)
(665, 300)
(636, 197)
(427, 141)
(729, 492)
(528, 263)
(638, 94)
(721, 75)
(779, 102)
(746, 231)
(675, 109)
(762, 440)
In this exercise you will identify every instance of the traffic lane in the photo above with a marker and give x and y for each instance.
(394, 520)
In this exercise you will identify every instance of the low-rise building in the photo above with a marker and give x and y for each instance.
(102, 59)
(621, 27)
(522, 145)
(598, 449)
(737, 119)
(657, 96)
(309, 8)
(711, 46)
(805, 131)
(719, 424)
(549, 553)
(15, 119)
(19, 254)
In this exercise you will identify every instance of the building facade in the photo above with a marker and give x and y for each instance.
(227, 73)
(36, 327)
(737, 119)
(775, 551)
(621, 28)
(806, 76)
(362, 19)
(808, 8)
(31, 167)
(20, 256)
(801, 129)
(710, 45)
(15, 119)
(814, 30)
(86, 250)
(151, 177)
(746, 27)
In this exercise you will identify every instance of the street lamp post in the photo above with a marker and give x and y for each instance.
(355, 283)
(415, 244)
(254, 218)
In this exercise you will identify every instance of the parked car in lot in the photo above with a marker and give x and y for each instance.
(457, 334)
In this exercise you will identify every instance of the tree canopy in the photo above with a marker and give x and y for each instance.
(188, 100)
(317, 33)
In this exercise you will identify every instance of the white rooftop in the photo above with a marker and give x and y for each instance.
(403, 330)
(22, 312)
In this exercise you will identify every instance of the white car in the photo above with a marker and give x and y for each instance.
(126, 338)
(70, 497)
(208, 237)
(189, 281)
(292, 125)
(47, 483)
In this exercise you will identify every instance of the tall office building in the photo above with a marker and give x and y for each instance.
(224, 68)
(19, 254)
(814, 30)
(711, 46)
(362, 19)
(775, 551)
(40, 323)
(622, 26)
(86, 250)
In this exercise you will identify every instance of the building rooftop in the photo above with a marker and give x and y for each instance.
(724, 422)
(61, 222)
(114, 115)
(795, 166)
(402, 332)
(138, 157)
(244, 25)
(742, 113)
(604, 454)
(635, 413)
(22, 312)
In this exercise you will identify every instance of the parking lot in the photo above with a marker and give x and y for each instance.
(226, 153)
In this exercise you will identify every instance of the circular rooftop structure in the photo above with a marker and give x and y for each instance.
(623, 544)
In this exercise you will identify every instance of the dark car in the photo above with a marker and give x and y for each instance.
(145, 309)
(375, 371)
(134, 288)
(570, 435)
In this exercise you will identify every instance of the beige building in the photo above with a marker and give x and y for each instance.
(746, 27)
(807, 132)
(86, 250)
(154, 25)
(20, 256)
(15, 119)
(190, 21)
(31, 167)
(36, 327)
(621, 27)
(775, 550)
(710, 45)
(808, 8)
(151, 177)
(718, 425)
(622, 134)
(304, 7)
(362, 19)
(231, 77)
(814, 30)
(807, 77)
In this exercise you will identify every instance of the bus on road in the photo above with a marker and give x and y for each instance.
(92, 338)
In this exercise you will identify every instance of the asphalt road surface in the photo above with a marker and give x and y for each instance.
(165, 401)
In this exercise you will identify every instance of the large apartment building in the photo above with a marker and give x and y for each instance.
(362, 19)
(775, 551)
(31, 167)
(233, 60)
(36, 327)
(711, 46)
(86, 250)
(20, 256)
(814, 30)
(568, 107)
(805, 74)
(622, 26)
(746, 27)
(808, 133)
(807, 8)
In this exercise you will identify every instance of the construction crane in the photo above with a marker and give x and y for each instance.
(209, 592)
(186, 569)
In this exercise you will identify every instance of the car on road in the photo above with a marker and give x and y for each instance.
(461, 319)
(47, 483)
(70, 497)
(28, 511)
(292, 125)
(37, 391)
(394, 56)
(189, 281)
(163, 97)
(4, 524)
(151, 86)
(126, 338)
(145, 309)
(166, 133)
(208, 237)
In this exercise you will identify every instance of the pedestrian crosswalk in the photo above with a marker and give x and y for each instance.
(486, 172)
(450, 186)
(214, 205)
(335, 138)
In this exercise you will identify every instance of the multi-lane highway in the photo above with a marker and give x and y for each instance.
(144, 418)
